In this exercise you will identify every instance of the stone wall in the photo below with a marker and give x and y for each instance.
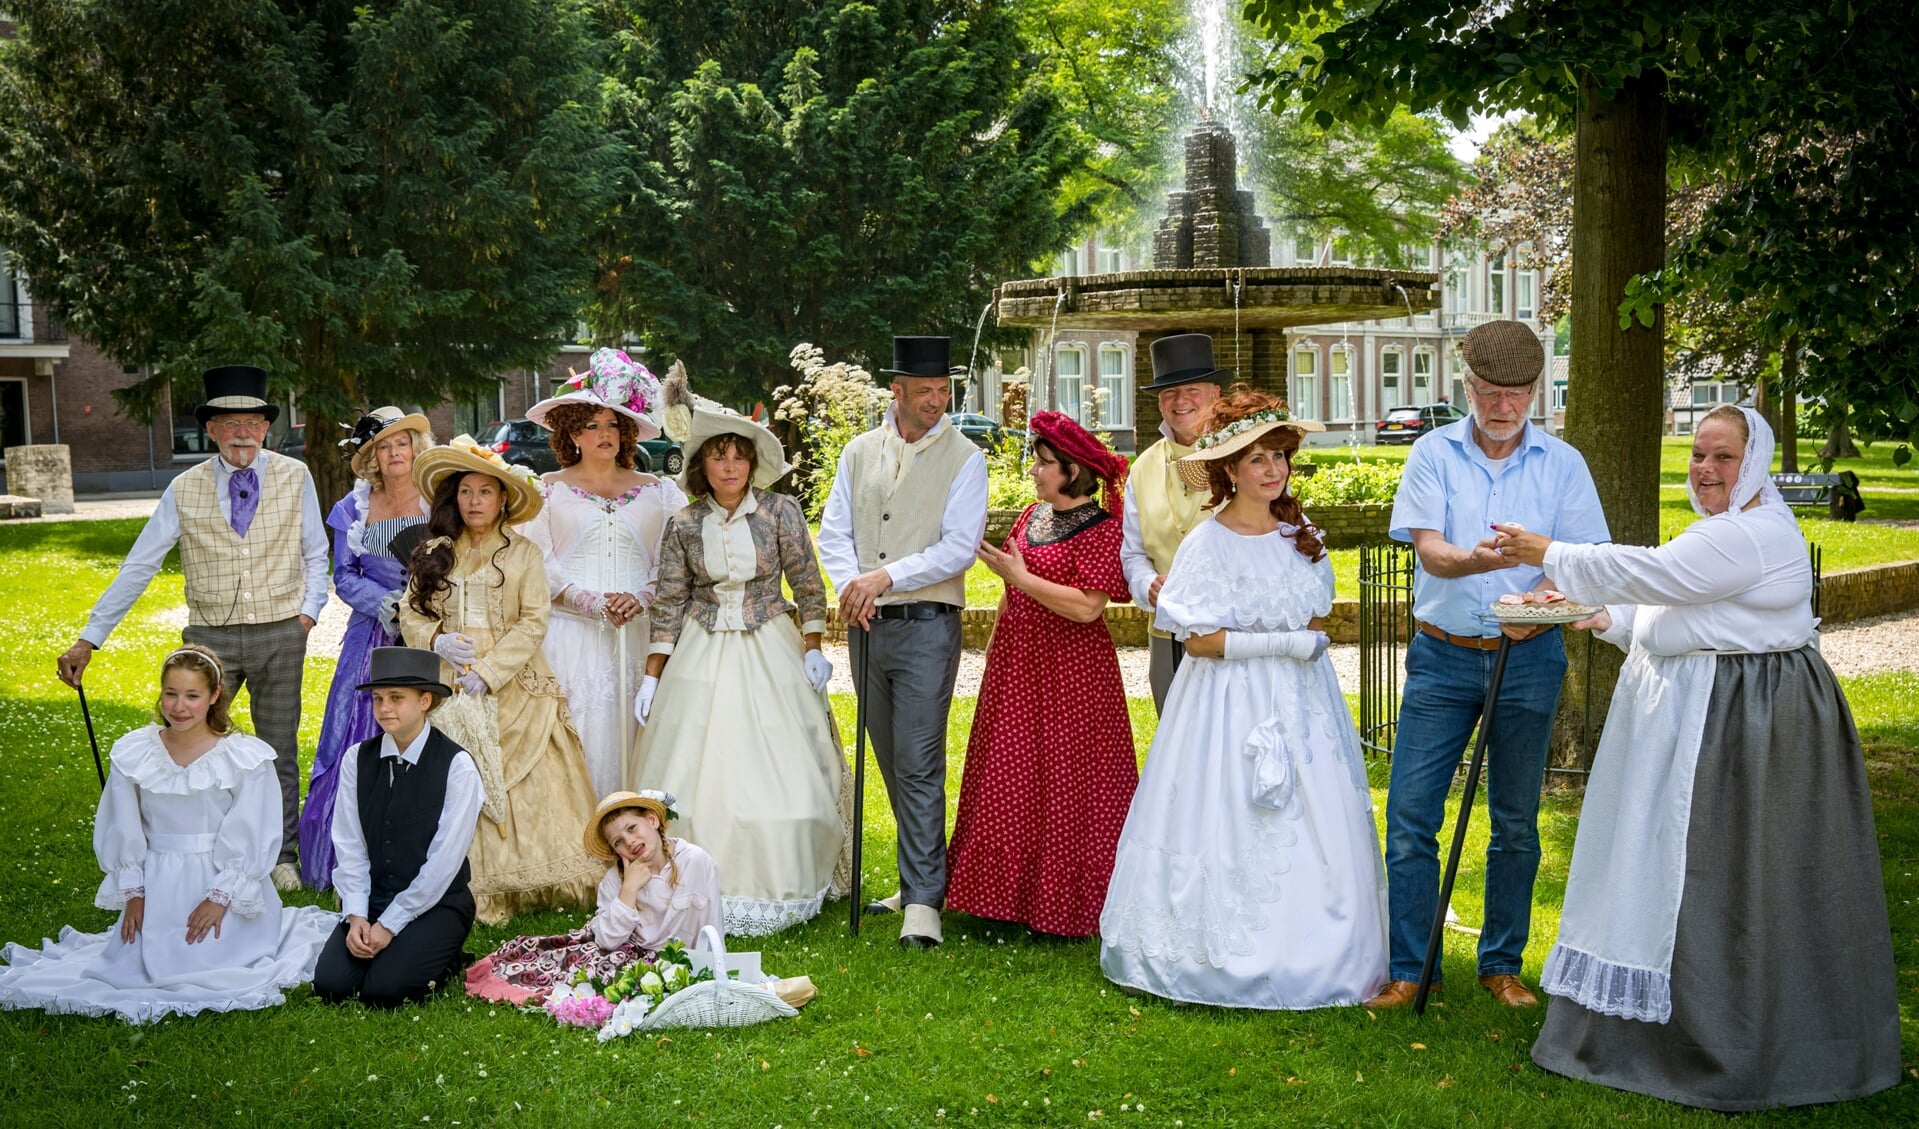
(1349, 527)
(1861, 593)
(43, 471)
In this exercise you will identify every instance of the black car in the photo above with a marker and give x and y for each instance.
(522, 442)
(986, 432)
(1403, 425)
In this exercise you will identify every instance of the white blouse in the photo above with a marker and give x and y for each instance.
(1222, 579)
(666, 911)
(604, 545)
(731, 560)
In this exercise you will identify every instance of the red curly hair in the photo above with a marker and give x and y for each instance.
(1236, 405)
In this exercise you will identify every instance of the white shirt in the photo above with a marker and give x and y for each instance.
(1134, 564)
(960, 527)
(162, 533)
(731, 560)
(353, 873)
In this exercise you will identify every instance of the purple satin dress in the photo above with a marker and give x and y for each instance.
(364, 572)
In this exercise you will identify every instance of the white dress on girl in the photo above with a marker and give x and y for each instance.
(1248, 872)
(601, 545)
(178, 836)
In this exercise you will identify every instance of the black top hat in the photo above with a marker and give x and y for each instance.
(233, 389)
(922, 356)
(1184, 358)
(408, 667)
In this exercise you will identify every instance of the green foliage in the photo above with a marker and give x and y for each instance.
(1362, 482)
(1007, 486)
(830, 405)
(833, 174)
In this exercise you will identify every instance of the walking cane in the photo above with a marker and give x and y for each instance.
(1459, 827)
(98, 768)
(859, 765)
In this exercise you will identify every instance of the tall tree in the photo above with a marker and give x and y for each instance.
(376, 202)
(832, 174)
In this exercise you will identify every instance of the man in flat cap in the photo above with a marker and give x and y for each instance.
(1493, 466)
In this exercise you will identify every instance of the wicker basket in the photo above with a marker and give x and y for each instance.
(719, 1002)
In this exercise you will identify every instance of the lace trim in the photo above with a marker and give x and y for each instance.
(131, 893)
(1610, 989)
(1215, 587)
(362, 503)
(146, 763)
(219, 897)
(757, 917)
(614, 504)
(1048, 526)
(1229, 910)
(474, 725)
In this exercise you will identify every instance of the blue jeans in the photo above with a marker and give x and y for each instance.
(1444, 696)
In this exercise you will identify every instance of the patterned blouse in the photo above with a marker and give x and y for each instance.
(725, 570)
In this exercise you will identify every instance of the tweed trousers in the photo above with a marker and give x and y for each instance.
(268, 659)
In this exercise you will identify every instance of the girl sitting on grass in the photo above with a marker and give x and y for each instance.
(658, 889)
(187, 833)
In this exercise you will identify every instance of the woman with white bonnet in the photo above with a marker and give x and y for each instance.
(1725, 942)
(600, 534)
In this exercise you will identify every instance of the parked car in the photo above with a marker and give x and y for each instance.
(1403, 425)
(294, 443)
(521, 442)
(986, 432)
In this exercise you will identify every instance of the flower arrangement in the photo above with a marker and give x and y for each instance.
(616, 1007)
(616, 378)
(1241, 426)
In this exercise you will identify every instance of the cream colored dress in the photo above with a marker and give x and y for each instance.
(526, 853)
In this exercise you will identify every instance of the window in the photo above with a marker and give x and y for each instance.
(1496, 284)
(472, 414)
(1342, 252)
(1341, 384)
(1115, 385)
(11, 322)
(1391, 362)
(1421, 256)
(1559, 395)
(1710, 395)
(1422, 376)
(1305, 250)
(1110, 261)
(1068, 266)
(1069, 374)
(13, 414)
(1305, 398)
(1526, 303)
(1458, 297)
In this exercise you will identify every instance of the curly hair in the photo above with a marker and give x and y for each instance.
(565, 419)
(432, 561)
(729, 441)
(1241, 402)
(193, 657)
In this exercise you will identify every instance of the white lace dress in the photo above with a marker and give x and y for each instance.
(1248, 873)
(602, 545)
(176, 836)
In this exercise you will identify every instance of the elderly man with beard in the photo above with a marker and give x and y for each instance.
(1492, 467)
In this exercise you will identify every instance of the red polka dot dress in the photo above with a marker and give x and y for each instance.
(1050, 766)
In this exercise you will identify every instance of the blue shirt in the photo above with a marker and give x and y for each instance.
(1449, 485)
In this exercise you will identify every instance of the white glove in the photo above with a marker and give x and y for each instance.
(819, 670)
(643, 701)
(455, 648)
(472, 683)
(1306, 646)
(389, 614)
(585, 604)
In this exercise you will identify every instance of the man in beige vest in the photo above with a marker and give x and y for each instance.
(900, 529)
(1160, 511)
(253, 555)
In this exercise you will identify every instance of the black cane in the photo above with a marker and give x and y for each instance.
(98, 768)
(859, 765)
(1459, 828)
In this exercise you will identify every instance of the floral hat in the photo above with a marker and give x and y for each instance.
(1229, 440)
(611, 380)
(376, 425)
(647, 799)
(464, 455)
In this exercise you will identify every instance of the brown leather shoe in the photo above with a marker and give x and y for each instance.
(1399, 993)
(1509, 990)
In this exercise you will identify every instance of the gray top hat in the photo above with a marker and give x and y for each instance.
(407, 667)
(1183, 359)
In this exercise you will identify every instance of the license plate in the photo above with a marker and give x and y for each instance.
(1395, 427)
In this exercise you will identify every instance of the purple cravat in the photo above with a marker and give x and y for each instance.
(243, 497)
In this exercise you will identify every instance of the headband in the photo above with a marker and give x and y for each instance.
(219, 675)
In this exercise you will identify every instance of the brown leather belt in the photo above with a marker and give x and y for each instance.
(1473, 642)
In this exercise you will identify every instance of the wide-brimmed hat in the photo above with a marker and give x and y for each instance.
(923, 356)
(1074, 443)
(1229, 440)
(406, 667)
(611, 380)
(1185, 358)
(235, 390)
(1506, 353)
(376, 425)
(464, 455)
(659, 803)
(769, 463)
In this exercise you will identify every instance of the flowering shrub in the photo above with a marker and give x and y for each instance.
(1349, 484)
(826, 408)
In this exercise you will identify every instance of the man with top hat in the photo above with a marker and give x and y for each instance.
(900, 529)
(408, 804)
(1160, 509)
(253, 554)
(1492, 467)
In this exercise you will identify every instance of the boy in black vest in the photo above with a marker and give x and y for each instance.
(407, 806)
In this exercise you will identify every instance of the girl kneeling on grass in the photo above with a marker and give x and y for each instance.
(187, 833)
(658, 889)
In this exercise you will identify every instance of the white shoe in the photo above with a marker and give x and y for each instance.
(921, 929)
(286, 877)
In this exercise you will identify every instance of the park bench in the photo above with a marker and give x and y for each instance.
(1838, 493)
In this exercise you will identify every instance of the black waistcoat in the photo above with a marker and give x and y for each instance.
(398, 817)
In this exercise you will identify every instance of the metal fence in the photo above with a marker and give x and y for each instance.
(1385, 630)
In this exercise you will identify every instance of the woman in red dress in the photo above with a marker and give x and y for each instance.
(1050, 767)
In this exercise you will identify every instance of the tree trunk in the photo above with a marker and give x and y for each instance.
(1839, 443)
(1615, 393)
(332, 477)
(1788, 432)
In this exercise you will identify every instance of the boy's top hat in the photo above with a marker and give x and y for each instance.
(408, 667)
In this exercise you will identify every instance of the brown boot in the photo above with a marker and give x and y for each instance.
(1399, 993)
(1509, 990)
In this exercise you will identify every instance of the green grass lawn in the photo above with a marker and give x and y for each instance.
(996, 1027)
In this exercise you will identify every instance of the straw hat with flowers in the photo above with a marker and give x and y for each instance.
(1229, 440)
(465, 455)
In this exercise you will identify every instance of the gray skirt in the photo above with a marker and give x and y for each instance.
(1783, 989)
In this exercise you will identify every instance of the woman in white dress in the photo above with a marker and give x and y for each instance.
(742, 725)
(188, 830)
(1248, 873)
(600, 534)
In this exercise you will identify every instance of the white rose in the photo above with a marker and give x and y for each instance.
(651, 983)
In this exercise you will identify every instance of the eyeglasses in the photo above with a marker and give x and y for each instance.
(236, 425)
(1491, 393)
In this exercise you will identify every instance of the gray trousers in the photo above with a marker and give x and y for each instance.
(1163, 657)
(269, 660)
(909, 693)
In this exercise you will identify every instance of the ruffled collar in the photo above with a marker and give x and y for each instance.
(142, 758)
(362, 506)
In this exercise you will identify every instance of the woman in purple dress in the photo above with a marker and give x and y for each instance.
(370, 577)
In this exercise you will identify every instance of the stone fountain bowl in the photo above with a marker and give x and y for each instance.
(1203, 298)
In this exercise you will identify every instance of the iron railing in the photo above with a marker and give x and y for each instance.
(1385, 630)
